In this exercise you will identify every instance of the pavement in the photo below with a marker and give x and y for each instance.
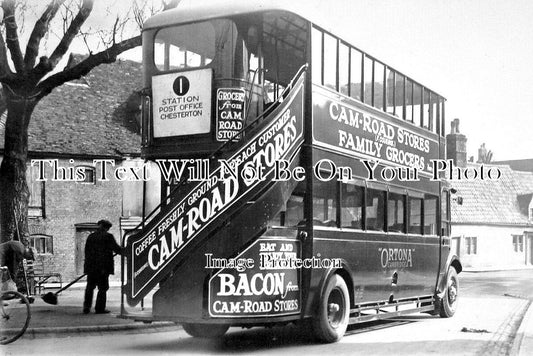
(67, 318)
(523, 342)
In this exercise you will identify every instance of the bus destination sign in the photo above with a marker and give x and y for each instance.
(182, 103)
(353, 129)
(269, 288)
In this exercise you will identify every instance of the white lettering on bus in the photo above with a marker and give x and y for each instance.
(396, 257)
(207, 207)
(259, 284)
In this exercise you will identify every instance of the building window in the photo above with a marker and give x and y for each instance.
(471, 245)
(518, 243)
(42, 244)
(89, 174)
(36, 188)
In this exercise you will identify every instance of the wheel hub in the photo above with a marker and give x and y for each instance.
(452, 293)
(333, 308)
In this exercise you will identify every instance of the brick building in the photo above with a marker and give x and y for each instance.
(92, 118)
(492, 220)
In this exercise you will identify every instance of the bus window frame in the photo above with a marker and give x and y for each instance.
(412, 89)
(445, 216)
(379, 187)
(418, 196)
(155, 66)
(403, 193)
(358, 184)
(428, 197)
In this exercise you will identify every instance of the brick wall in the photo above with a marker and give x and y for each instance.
(68, 203)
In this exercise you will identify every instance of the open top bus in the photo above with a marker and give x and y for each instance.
(296, 178)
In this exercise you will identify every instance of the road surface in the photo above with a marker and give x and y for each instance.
(490, 311)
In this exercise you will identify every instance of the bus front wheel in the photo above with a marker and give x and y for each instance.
(205, 330)
(334, 311)
(448, 304)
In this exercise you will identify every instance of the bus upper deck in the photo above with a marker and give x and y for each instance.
(258, 47)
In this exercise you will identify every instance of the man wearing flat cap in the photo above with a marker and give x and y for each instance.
(99, 264)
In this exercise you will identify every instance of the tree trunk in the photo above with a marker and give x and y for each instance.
(14, 192)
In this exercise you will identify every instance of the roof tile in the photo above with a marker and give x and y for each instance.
(89, 119)
(492, 201)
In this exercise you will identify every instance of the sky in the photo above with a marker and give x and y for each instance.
(475, 53)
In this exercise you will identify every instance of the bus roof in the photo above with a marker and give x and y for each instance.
(209, 9)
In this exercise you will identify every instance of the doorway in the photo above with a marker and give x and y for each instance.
(83, 230)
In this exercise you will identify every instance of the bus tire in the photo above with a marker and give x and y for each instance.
(448, 304)
(205, 330)
(334, 311)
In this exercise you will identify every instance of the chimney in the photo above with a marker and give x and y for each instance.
(456, 145)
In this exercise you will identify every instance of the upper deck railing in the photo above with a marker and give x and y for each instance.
(342, 67)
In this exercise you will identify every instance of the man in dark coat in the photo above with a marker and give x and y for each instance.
(99, 265)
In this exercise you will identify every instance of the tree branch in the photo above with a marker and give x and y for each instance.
(12, 39)
(39, 30)
(48, 64)
(5, 72)
(84, 67)
(115, 30)
(170, 4)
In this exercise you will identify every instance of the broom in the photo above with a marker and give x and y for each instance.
(51, 298)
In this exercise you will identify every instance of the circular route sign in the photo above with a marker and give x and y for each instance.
(181, 85)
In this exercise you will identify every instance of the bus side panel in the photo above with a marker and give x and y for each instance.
(362, 253)
(183, 294)
(414, 259)
(370, 267)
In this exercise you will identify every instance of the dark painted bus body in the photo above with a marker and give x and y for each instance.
(250, 90)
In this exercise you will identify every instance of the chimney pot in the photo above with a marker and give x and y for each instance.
(456, 145)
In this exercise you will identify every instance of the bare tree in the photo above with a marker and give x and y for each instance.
(27, 77)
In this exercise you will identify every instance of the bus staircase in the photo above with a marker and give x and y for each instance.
(259, 202)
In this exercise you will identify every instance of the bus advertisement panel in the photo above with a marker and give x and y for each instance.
(262, 282)
(353, 129)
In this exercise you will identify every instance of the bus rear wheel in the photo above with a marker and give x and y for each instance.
(448, 304)
(334, 311)
(205, 330)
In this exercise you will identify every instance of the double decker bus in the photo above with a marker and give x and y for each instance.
(296, 179)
